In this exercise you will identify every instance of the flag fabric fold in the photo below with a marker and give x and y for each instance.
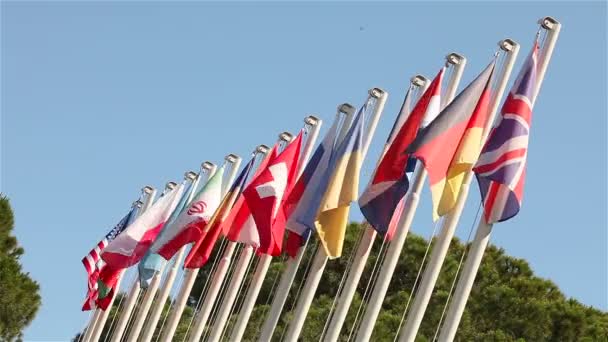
(447, 146)
(501, 168)
(380, 200)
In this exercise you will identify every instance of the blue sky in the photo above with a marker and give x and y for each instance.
(99, 100)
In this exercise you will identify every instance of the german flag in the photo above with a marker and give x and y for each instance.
(450, 145)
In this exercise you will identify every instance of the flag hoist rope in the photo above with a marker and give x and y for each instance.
(234, 285)
(292, 264)
(148, 193)
(482, 236)
(207, 171)
(450, 221)
(190, 274)
(378, 97)
(411, 203)
(130, 301)
(363, 248)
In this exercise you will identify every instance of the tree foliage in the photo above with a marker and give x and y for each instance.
(19, 297)
(508, 302)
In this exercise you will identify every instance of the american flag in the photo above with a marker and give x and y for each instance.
(93, 264)
(501, 168)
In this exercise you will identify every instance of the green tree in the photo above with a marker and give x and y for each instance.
(19, 294)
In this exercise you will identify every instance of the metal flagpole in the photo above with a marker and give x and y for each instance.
(442, 243)
(345, 296)
(150, 193)
(265, 260)
(482, 236)
(217, 278)
(209, 170)
(320, 258)
(150, 292)
(405, 221)
(190, 274)
(292, 264)
(127, 308)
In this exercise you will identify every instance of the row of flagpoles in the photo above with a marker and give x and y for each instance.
(243, 216)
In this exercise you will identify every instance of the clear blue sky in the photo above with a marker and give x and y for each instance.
(101, 99)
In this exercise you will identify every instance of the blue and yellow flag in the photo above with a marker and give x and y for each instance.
(342, 189)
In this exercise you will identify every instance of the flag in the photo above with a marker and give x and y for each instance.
(265, 194)
(201, 251)
(342, 189)
(152, 263)
(191, 222)
(304, 199)
(380, 200)
(447, 146)
(93, 263)
(130, 246)
(501, 168)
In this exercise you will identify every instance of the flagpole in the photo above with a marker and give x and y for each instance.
(345, 296)
(152, 289)
(129, 304)
(450, 221)
(405, 221)
(264, 261)
(190, 273)
(292, 264)
(208, 169)
(218, 277)
(149, 193)
(320, 259)
(482, 236)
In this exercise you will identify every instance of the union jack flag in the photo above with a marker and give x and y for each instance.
(501, 168)
(93, 263)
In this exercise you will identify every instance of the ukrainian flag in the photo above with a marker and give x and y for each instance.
(342, 189)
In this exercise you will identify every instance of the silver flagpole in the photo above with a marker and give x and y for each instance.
(450, 221)
(129, 304)
(320, 259)
(208, 169)
(149, 193)
(482, 236)
(217, 278)
(150, 292)
(190, 274)
(292, 264)
(265, 260)
(345, 296)
(405, 221)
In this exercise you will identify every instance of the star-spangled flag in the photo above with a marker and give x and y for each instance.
(501, 168)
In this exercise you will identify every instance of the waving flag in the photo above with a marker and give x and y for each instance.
(501, 168)
(92, 261)
(303, 201)
(437, 145)
(381, 198)
(130, 246)
(201, 251)
(342, 189)
(265, 196)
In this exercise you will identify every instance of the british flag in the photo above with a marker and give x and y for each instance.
(501, 168)
(93, 263)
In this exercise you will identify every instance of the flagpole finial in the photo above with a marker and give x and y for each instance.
(147, 189)
(137, 204)
(377, 93)
(507, 44)
(170, 185)
(232, 158)
(262, 149)
(419, 80)
(190, 175)
(207, 166)
(285, 136)
(454, 59)
(548, 23)
(311, 120)
(346, 108)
